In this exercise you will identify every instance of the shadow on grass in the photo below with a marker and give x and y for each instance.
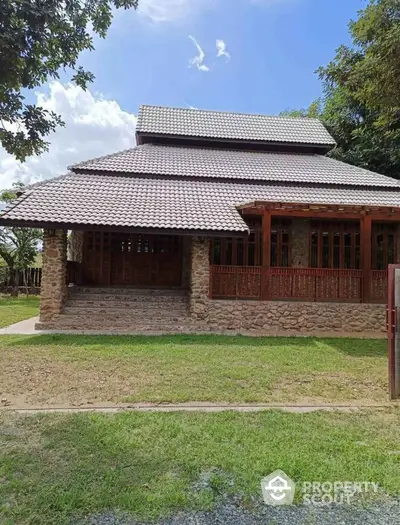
(348, 346)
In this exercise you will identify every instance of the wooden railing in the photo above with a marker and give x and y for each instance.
(235, 282)
(379, 286)
(302, 284)
(314, 284)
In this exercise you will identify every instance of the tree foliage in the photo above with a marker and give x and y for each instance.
(362, 91)
(361, 104)
(38, 38)
(18, 246)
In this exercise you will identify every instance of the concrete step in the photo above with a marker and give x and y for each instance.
(128, 291)
(128, 330)
(127, 299)
(128, 306)
(123, 316)
(112, 311)
(76, 323)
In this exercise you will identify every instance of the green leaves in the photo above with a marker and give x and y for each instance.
(18, 246)
(38, 38)
(362, 91)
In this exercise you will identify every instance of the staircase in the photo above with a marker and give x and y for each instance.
(123, 310)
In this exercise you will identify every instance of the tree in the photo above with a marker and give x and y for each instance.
(362, 91)
(361, 103)
(313, 111)
(38, 38)
(18, 246)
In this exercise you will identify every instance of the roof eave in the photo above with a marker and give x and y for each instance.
(144, 137)
(123, 229)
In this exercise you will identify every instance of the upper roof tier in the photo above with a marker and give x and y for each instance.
(215, 164)
(177, 124)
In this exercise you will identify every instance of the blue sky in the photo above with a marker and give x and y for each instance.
(150, 57)
(275, 47)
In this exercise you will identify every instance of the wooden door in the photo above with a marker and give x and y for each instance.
(122, 259)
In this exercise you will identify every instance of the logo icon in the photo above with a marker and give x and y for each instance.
(278, 489)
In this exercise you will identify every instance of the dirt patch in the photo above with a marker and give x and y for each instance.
(76, 371)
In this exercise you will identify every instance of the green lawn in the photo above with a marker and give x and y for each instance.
(62, 369)
(56, 467)
(15, 309)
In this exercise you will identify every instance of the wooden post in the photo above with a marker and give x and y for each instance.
(366, 256)
(266, 260)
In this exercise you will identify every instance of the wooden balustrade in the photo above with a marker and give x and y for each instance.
(379, 286)
(302, 284)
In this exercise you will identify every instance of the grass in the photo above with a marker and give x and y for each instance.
(15, 309)
(57, 467)
(62, 369)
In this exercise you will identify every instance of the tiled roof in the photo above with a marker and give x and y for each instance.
(197, 205)
(232, 126)
(245, 165)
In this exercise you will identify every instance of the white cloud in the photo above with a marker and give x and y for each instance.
(198, 60)
(171, 10)
(221, 50)
(94, 126)
(159, 11)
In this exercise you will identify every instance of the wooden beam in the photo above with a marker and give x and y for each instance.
(366, 255)
(266, 259)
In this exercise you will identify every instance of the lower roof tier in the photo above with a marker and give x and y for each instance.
(170, 204)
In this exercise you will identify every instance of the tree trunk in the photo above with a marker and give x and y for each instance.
(14, 282)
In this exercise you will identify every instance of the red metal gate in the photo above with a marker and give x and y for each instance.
(393, 316)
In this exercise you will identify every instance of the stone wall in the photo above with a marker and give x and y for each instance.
(275, 317)
(269, 317)
(53, 289)
(300, 241)
(75, 246)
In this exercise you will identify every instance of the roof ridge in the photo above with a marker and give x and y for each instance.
(221, 112)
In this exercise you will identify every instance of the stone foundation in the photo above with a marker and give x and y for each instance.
(293, 317)
(53, 289)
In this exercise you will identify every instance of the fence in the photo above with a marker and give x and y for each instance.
(27, 278)
(307, 284)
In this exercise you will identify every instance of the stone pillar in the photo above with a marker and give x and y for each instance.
(53, 290)
(300, 237)
(199, 277)
(75, 246)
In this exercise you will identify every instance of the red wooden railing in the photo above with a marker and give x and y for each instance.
(235, 282)
(379, 286)
(315, 284)
(306, 284)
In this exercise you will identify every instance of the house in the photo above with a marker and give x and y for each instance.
(216, 222)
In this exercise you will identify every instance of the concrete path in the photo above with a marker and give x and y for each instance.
(199, 407)
(26, 327)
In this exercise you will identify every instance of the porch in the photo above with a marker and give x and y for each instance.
(311, 255)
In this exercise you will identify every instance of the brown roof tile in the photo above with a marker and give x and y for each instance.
(228, 164)
(233, 126)
(197, 205)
